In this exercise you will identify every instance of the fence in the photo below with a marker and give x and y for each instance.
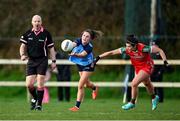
(75, 84)
(100, 84)
(101, 62)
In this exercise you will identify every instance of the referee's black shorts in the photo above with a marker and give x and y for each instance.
(37, 66)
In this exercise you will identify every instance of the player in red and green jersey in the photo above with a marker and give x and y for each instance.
(143, 64)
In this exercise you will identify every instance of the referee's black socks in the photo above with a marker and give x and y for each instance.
(40, 94)
(32, 91)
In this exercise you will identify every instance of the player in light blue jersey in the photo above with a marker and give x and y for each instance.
(82, 56)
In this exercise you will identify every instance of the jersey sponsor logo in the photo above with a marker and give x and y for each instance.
(86, 67)
(30, 38)
(41, 40)
(29, 34)
(137, 56)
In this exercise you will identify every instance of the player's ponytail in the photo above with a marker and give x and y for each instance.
(94, 33)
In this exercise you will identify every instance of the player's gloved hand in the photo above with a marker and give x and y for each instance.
(167, 67)
(95, 61)
(166, 64)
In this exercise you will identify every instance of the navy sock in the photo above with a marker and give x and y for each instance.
(78, 103)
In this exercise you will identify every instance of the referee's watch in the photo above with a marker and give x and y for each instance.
(53, 61)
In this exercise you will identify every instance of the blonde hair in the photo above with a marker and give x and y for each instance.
(94, 33)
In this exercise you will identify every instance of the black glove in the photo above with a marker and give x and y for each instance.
(166, 64)
(167, 67)
(95, 61)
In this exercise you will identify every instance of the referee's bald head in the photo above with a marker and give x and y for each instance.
(36, 18)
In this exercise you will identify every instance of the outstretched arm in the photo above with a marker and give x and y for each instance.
(112, 52)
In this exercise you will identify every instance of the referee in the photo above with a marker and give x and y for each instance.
(34, 48)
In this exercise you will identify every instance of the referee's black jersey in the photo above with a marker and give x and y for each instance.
(37, 43)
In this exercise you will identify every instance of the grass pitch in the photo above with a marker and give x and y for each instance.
(100, 109)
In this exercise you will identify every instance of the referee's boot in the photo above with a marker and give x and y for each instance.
(38, 108)
(155, 102)
(33, 104)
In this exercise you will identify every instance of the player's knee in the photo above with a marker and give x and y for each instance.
(134, 84)
(40, 85)
(80, 87)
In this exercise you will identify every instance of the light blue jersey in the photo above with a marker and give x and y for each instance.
(84, 61)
